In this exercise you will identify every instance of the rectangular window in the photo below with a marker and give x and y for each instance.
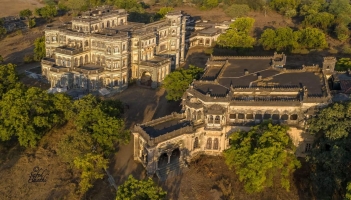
(308, 147)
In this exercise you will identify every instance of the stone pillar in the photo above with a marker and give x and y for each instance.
(169, 154)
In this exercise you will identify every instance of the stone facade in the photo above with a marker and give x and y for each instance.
(101, 49)
(234, 93)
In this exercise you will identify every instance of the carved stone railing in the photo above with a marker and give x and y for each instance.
(68, 51)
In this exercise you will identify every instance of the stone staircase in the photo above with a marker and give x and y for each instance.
(170, 170)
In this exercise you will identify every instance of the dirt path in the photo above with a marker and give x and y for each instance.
(144, 105)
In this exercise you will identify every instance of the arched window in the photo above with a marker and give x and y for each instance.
(86, 58)
(215, 144)
(209, 143)
(76, 62)
(116, 50)
(80, 61)
(123, 47)
(217, 120)
(86, 43)
(196, 143)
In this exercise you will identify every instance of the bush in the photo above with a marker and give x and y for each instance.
(28, 58)
(333, 51)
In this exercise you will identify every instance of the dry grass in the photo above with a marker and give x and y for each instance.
(13, 7)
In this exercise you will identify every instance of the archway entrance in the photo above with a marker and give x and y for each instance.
(175, 156)
(163, 160)
(146, 79)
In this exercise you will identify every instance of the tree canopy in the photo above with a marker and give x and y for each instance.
(26, 13)
(39, 48)
(343, 64)
(259, 155)
(178, 81)
(285, 38)
(238, 34)
(8, 78)
(133, 189)
(330, 157)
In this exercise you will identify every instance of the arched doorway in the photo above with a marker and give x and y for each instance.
(175, 156)
(163, 160)
(196, 143)
(146, 79)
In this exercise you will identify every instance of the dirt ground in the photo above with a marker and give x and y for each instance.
(13, 7)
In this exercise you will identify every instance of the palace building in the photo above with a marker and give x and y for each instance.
(234, 93)
(101, 49)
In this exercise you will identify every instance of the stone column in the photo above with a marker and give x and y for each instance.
(169, 154)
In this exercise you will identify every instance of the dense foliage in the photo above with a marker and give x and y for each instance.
(48, 12)
(238, 34)
(260, 155)
(133, 189)
(27, 114)
(287, 39)
(343, 64)
(178, 81)
(39, 48)
(330, 157)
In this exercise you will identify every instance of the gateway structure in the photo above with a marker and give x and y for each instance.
(234, 93)
(101, 49)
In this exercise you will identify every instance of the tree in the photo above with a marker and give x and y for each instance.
(31, 23)
(26, 13)
(8, 78)
(342, 32)
(91, 166)
(337, 7)
(1, 59)
(47, 12)
(282, 38)
(237, 10)
(311, 7)
(163, 11)
(261, 154)
(322, 20)
(39, 48)
(104, 128)
(178, 81)
(133, 189)
(284, 6)
(330, 157)
(312, 38)
(237, 36)
(27, 114)
(343, 64)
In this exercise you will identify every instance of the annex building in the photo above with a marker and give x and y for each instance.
(101, 49)
(234, 93)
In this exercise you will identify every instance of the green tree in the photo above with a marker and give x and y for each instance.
(26, 13)
(282, 38)
(284, 6)
(39, 48)
(322, 20)
(91, 167)
(133, 189)
(163, 11)
(31, 23)
(210, 4)
(311, 7)
(261, 154)
(178, 81)
(312, 38)
(348, 191)
(337, 7)
(238, 35)
(342, 32)
(343, 64)
(47, 12)
(237, 10)
(105, 129)
(8, 78)
(27, 114)
(330, 157)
